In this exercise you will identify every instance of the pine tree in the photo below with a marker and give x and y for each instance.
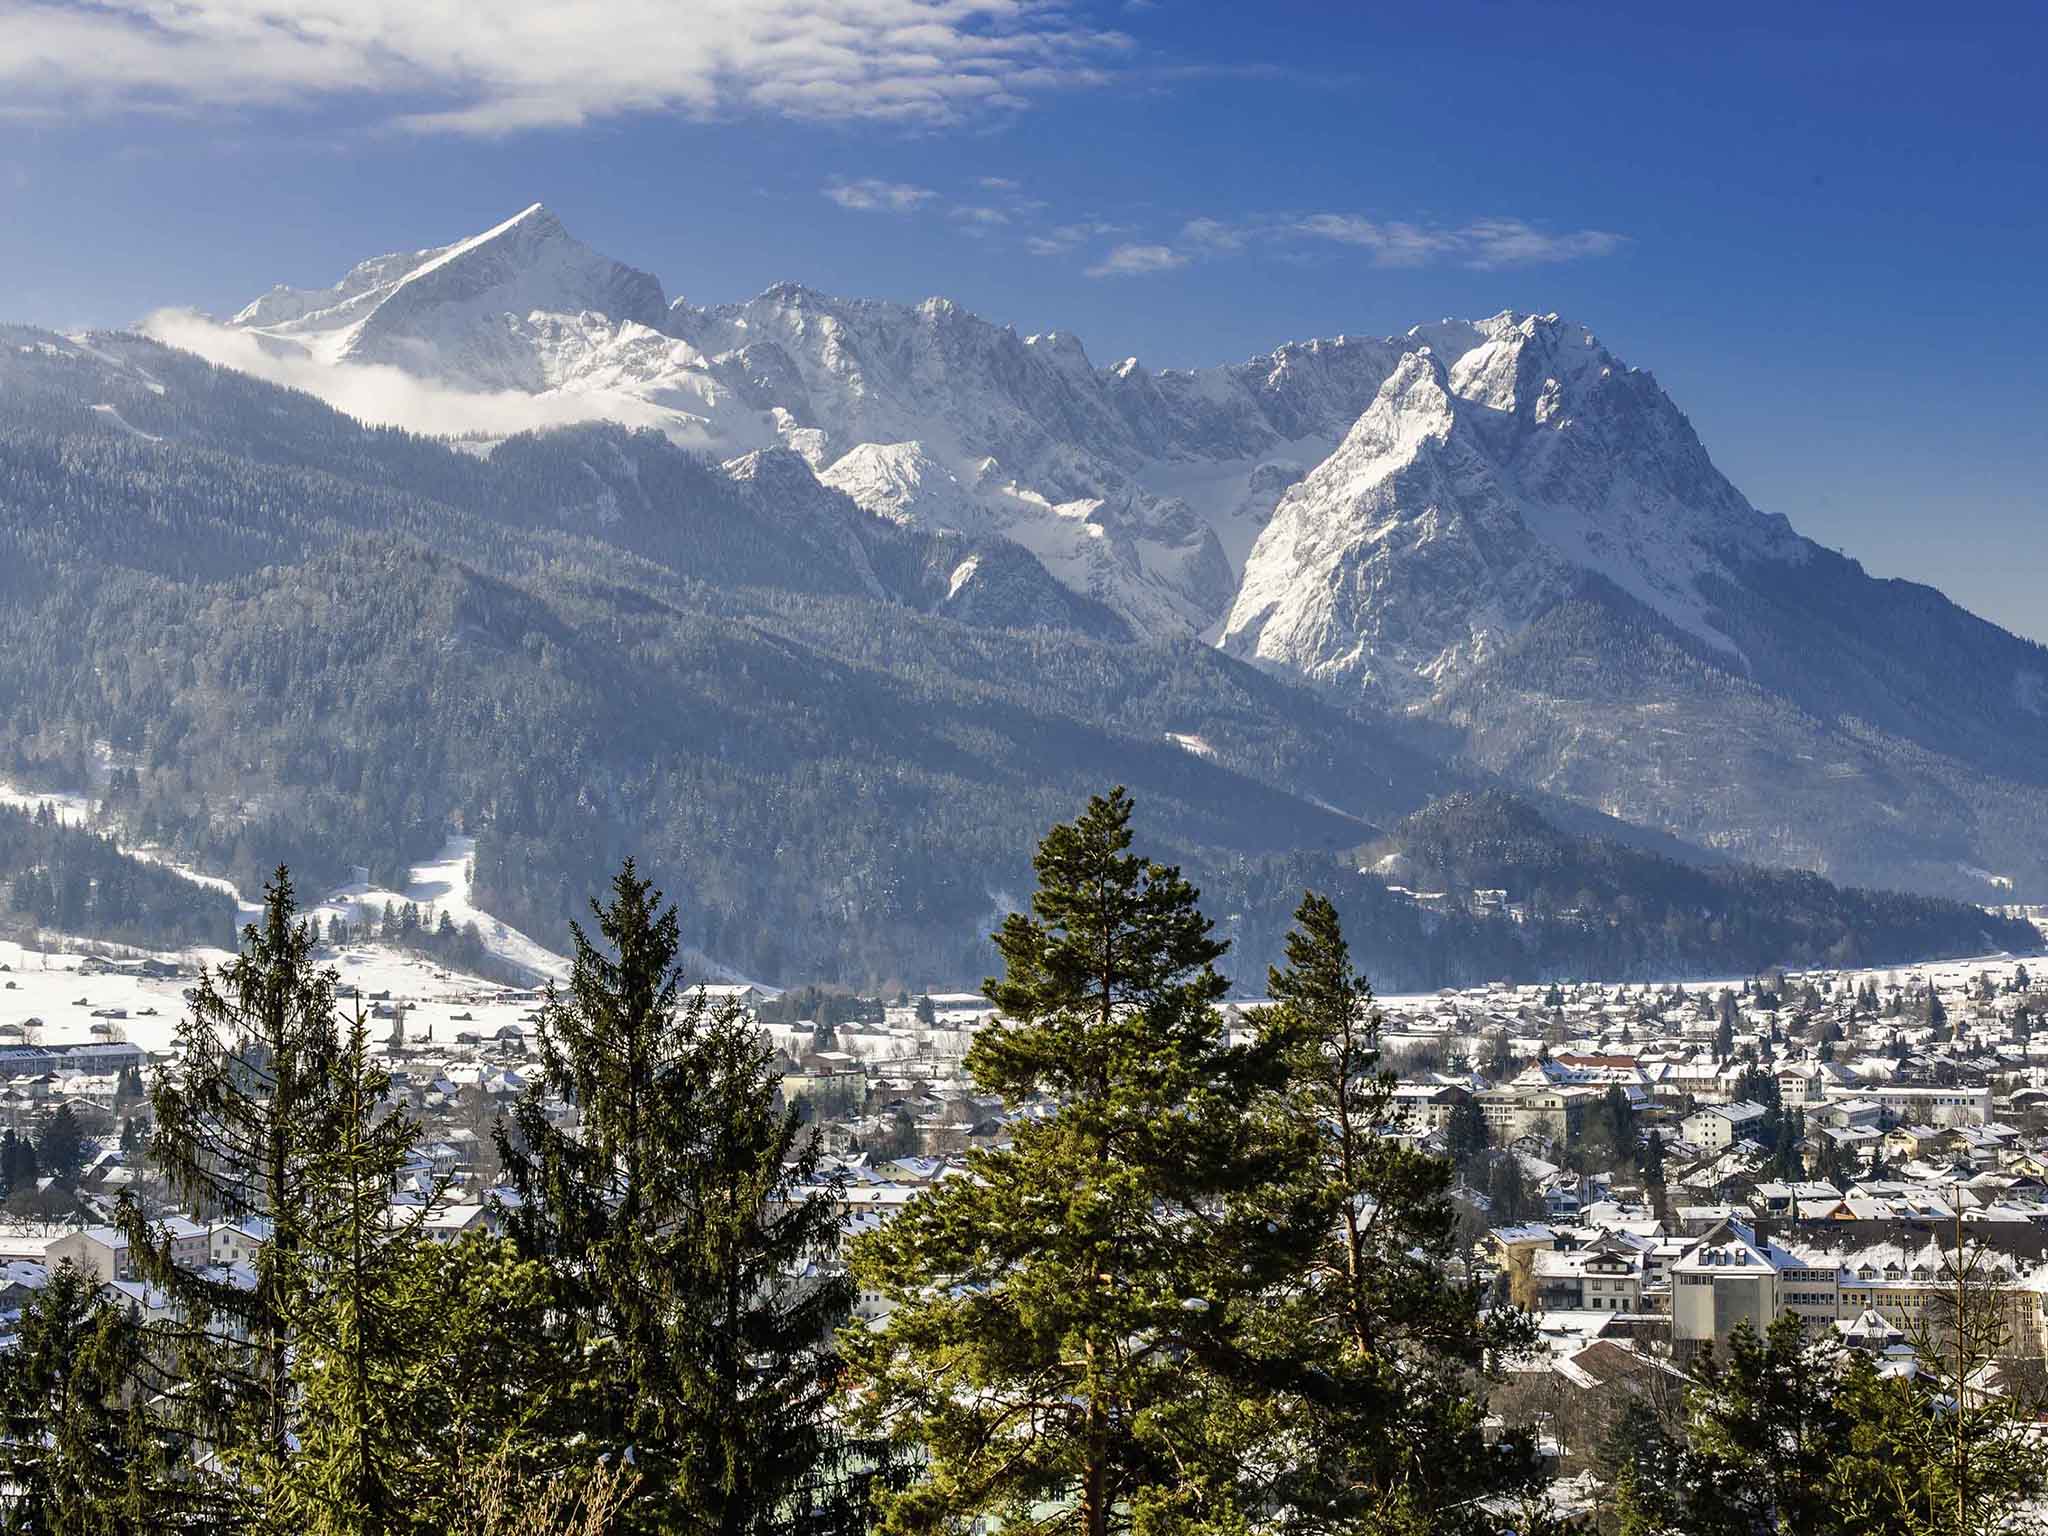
(1507, 1189)
(489, 1379)
(1070, 1321)
(757, 1215)
(367, 1318)
(237, 1131)
(1653, 1174)
(1465, 1133)
(63, 1148)
(1765, 1432)
(673, 1220)
(75, 1452)
(1386, 1341)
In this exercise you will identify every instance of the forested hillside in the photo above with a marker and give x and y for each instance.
(78, 882)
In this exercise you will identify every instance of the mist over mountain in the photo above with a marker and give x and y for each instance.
(830, 606)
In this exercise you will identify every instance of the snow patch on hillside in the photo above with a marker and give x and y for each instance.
(71, 810)
(442, 887)
(115, 418)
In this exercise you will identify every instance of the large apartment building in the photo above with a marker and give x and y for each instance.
(1931, 1103)
(1731, 1276)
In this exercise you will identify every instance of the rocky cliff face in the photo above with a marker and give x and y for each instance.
(1475, 493)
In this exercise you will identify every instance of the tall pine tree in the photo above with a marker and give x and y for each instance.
(76, 1453)
(678, 1218)
(368, 1319)
(1069, 1339)
(238, 1128)
(1387, 1342)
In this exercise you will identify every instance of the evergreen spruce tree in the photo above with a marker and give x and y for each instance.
(368, 1317)
(1653, 1174)
(1465, 1134)
(1070, 1336)
(76, 1455)
(676, 1220)
(1765, 1431)
(1507, 1189)
(1387, 1341)
(238, 1128)
(63, 1148)
(759, 1218)
(488, 1380)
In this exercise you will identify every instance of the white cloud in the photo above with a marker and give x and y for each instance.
(1510, 242)
(986, 218)
(1062, 238)
(1483, 243)
(1138, 261)
(869, 195)
(996, 184)
(1213, 234)
(514, 64)
(385, 396)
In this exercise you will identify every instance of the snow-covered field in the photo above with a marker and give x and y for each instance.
(71, 810)
(49, 986)
(442, 886)
(45, 986)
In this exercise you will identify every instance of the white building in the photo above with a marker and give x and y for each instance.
(1716, 1127)
(1920, 1102)
(1731, 1276)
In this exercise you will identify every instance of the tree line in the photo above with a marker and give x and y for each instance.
(1201, 1288)
(80, 882)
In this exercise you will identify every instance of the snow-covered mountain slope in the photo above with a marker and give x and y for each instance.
(1476, 493)
(1495, 526)
(497, 311)
(1142, 491)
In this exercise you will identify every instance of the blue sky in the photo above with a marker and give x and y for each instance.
(1825, 235)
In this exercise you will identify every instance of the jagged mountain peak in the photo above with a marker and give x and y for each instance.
(1482, 487)
(463, 313)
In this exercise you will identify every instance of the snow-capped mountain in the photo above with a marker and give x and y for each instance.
(1143, 491)
(1495, 525)
(505, 309)
(1435, 490)
(1498, 465)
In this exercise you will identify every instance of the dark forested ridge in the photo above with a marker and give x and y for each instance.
(76, 881)
(1596, 907)
(324, 645)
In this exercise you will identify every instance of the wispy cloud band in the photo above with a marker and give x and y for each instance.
(513, 64)
(1481, 244)
(1138, 261)
(870, 194)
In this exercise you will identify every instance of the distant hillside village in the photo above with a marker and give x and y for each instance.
(1643, 1167)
